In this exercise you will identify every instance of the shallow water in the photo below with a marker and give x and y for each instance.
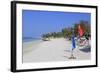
(30, 44)
(30, 39)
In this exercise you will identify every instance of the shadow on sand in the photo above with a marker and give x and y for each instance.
(86, 49)
(67, 50)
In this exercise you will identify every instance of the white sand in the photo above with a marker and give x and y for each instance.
(54, 50)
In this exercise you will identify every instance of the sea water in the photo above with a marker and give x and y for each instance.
(30, 44)
(30, 39)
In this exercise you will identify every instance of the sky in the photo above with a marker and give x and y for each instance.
(35, 22)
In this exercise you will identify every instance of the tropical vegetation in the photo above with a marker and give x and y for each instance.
(69, 31)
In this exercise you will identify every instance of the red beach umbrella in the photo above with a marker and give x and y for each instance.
(80, 31)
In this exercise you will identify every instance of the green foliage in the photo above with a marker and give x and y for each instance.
(68, 32)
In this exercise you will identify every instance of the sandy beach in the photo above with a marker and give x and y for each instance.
(58, 49)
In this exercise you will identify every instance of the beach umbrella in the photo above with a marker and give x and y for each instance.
(80, 31)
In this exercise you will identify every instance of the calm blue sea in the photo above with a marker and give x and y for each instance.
(30, 39)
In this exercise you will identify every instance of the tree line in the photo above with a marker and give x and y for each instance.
(69, 31)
